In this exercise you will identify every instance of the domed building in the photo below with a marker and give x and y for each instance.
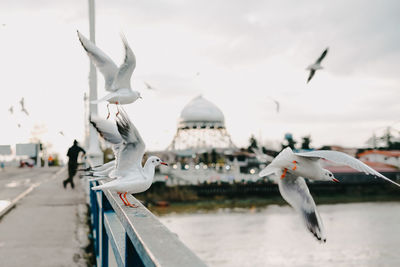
(201, 128)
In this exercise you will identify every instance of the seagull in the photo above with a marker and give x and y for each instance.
(292, 167)
(23, 109)
(117, 80)
(61, 133)
(277, 104)
(317, 65)
(131, 177)
(11, 109)
(148, 86)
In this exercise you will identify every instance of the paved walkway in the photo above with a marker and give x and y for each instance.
(48, 226)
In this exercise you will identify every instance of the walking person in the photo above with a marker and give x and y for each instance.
(73, 153)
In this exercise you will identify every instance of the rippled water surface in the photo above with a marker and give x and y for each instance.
(358, 234)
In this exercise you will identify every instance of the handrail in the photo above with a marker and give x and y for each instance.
(136, 236)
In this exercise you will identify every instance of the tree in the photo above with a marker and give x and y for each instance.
(289, 140)
(306, 142)
(253, 143)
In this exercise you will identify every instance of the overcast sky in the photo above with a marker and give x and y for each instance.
(246, 52)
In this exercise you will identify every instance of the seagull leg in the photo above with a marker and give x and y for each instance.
(295, 165)
(108, 109)
(119, 194)
(284, 173)
(129, 204)
(117, 103)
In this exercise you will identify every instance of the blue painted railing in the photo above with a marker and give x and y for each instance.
(135, 235)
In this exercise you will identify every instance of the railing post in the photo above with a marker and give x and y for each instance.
(105, 206)
(132, 258)
(95, 219)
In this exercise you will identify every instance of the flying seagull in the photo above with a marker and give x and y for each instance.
(289, 169)
(23, 109)
(117, 80)
(148, 86)
(276, 104)
(11, 109)
(317, 65)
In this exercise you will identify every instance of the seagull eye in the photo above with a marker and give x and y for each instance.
(330, 175)
(158, 160)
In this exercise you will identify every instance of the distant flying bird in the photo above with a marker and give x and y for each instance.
(290, 168)
(132, 178)
(23, 109)
(276, 104)
(148, 86)
(61, 132)
(317, 65)
(19, 125)
(11, 109)
(117, 80)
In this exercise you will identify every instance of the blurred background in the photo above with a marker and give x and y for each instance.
(224, 87)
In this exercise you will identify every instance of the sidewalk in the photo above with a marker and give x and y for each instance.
(47, 227)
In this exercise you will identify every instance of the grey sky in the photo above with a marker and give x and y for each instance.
(245, 52)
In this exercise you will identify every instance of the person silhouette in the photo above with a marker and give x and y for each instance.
(73, 153)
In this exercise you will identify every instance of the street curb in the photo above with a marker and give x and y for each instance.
(14, 202)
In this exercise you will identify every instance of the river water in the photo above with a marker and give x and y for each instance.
(358, 234)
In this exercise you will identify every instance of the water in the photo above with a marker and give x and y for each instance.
(358, 234)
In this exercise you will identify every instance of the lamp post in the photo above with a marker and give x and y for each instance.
(94, 152)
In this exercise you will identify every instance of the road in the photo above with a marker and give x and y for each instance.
(48, 225)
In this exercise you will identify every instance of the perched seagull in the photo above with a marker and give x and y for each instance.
(292, 167)
(317, 65)
(117, 80)
(131, 177)
(11, 110)
(23, 109)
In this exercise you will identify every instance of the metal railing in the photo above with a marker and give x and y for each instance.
(135, 235)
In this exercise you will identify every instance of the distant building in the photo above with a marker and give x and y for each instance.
(201, 128)
(391, 157)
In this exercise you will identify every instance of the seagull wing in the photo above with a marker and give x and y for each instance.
(295, 191)
(322, 56)
(106, 129)
(312, 72)
(342, 158)
(103, 62)
(131, 154)
(123, 76)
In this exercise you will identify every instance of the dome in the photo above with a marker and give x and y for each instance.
(201, 113)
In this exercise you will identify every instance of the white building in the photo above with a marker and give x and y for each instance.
(201, 128)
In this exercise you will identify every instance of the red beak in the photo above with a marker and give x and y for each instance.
(163, 163)
(335, 180)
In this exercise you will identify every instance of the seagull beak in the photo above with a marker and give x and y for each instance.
(163, 163)
(335, 180)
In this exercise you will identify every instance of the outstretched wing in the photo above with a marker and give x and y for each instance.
(342, 158)
(103, 62)
(123, 76)
(106, 129)
(312, 72)
(322, 56)
(295, 191)
(131, 153)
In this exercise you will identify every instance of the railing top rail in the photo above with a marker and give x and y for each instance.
(155, 243)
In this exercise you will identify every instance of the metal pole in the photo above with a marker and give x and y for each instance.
(94, 151)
